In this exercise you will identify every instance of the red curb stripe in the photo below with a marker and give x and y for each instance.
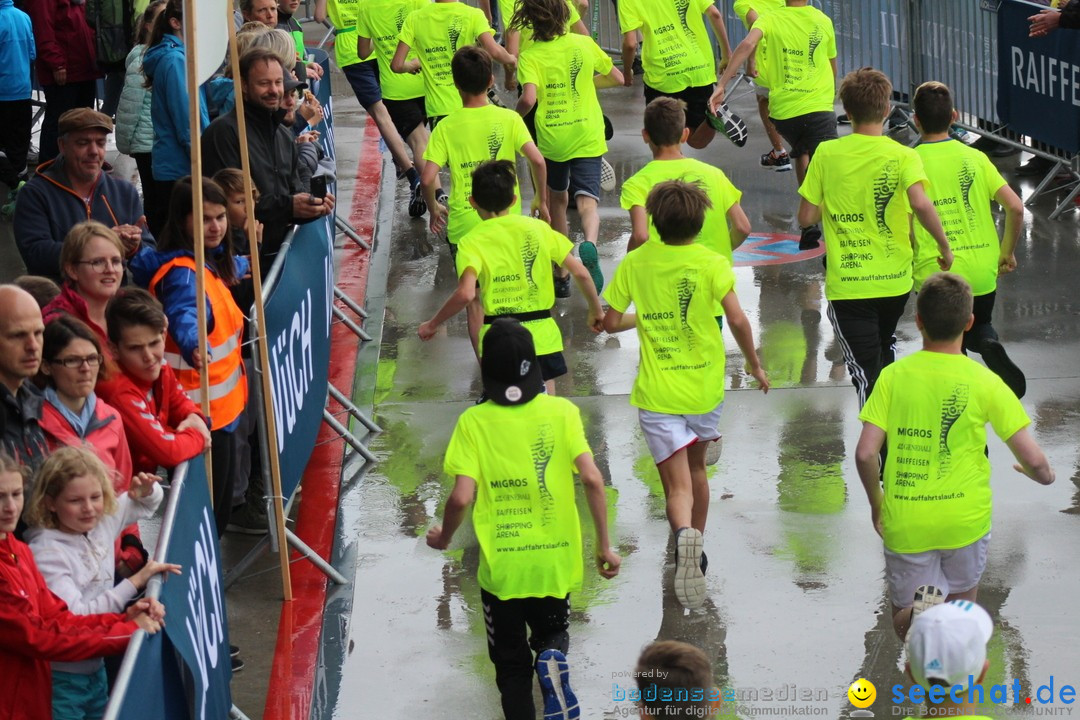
(300, 631)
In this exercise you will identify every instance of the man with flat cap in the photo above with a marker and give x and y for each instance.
(71, 188)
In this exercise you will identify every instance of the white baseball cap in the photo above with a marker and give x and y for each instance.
(947, 643)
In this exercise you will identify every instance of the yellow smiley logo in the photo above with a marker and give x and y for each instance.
(862, 693)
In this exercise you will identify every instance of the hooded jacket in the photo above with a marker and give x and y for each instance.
(48, 207)
(164, 65)
(134, 130)
(17, 52)
(104, 435)
(70, 302)
(36, 627)
(64, 40)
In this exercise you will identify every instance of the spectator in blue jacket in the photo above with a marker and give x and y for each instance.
(16, 116)
(166, 75)
(72, 188)
(134, 130)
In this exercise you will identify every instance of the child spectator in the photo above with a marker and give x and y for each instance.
(799, 67)
(231, 182)
(16, 114)
(559, 74)
(134, 129)
(163, 426)
(676, 285)
(476, 133)
(665, 132)
(530, 565)
(508, 257)
(675, 679)
(437, 31)
(963, 182)
(44, 290)
(169, 274)
(677, 56)
(932, 504)
(75, 517)
(378, 26)
(36, 626)
(866, 186)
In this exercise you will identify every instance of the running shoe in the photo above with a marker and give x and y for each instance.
(689, 580)
(995, 357)
(417, 206)
(237, 664)
(609, 129)
(811, 238)
(779, 163)
(562, 286)
(8, 208)
(713, 451)
(494, 98)
(234, 651)
(704, 562)
(607, 175)
(591, 260)
(728, 123)
(926, 597)
(560, 702)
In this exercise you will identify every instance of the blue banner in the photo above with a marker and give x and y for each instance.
(1038, 79)
(298, 309)
(183, 672)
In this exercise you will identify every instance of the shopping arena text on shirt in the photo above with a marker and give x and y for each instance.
(973, 692)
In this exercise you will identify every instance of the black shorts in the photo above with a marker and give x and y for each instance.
(865, 329)
(364, 78)
(433, 121)
(552, 365)
(805, 132)
(407, 115)
(696, 99)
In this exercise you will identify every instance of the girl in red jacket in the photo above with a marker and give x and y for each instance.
(37, 627)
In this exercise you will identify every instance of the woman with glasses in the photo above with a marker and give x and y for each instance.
(73, 415)
(92, 265)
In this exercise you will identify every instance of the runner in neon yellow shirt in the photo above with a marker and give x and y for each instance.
(675, 286)
(435, 32)
(963, 183)
(749, 11)
(465, 139)
(516, 454)
(559, 74)
(866, 186)
(676, 55)
(509, 256)
(363, 77)
(934, 494)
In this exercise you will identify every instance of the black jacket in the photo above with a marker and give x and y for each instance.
(1070, 15)
(272, 149)
(20, 432)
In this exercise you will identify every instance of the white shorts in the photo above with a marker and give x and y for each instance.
(761, 91)
(951, 571)
(668, 434)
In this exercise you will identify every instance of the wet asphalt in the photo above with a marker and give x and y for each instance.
(797, 602)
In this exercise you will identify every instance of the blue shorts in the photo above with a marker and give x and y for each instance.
(581, 176)
(364, 78)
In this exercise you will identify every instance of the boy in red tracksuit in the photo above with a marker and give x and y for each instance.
(164, 427)
(37, 627)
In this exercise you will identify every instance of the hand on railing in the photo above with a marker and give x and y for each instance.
(1044, 23)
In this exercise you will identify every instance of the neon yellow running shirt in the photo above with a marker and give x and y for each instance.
(742, 7)
(797, 45)
(675, 289)
(860, 183)
(569, 122)
(343, 15)
(512, 256)
(381, 21)
(525, 515)
(466, 138)
(934, 408)
(963, 183)
(676, 52)
(435, 32)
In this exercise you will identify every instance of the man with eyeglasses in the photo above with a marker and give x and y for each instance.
(21, 330)
(74, 187)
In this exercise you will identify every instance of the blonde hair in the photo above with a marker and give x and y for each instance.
(246, 36)
(78, 237)
(281, 44)
(60, 468)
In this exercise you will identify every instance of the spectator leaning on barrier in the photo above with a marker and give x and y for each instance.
(66, 63)
(271, 149)
(17, 52)
(21, 332)
(1047, 21)
(73, 188)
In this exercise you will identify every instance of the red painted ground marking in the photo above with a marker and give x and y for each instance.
(300, 632)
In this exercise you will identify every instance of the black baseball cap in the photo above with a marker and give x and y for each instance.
(508, 365)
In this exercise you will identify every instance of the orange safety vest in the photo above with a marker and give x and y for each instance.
(228, 386)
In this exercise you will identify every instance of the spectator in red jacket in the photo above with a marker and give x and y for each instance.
(66, 63)
(164, 427)
(37, 627)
